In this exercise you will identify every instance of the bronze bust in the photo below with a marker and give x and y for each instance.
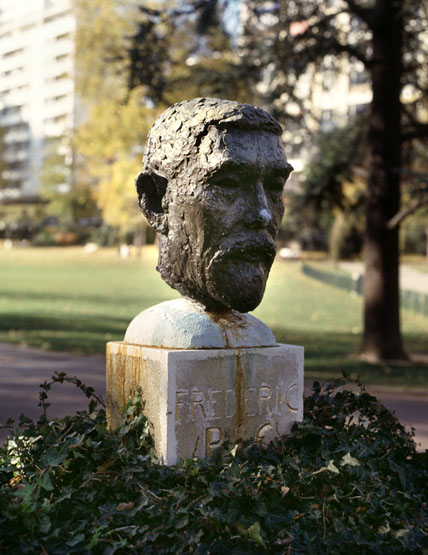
(211, 186)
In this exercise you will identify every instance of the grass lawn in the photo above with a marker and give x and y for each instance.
(65, 299)
(416, 261)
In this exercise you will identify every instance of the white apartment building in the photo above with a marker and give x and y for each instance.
(37, 99)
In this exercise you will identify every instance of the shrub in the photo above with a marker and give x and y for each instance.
(347, 480)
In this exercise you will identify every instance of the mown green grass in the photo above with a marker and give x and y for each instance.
(328, 322)
(64, 299)
(67, 300)
(416, 261)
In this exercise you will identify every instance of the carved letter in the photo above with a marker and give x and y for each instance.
(263, 430)
(197, 399)
(212, 403)
(265, 393)
(250, 411)
(213, 439)
(287, 398)
(179, 404)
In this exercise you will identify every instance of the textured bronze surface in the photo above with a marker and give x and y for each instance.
(211, 186)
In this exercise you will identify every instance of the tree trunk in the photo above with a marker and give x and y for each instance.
(382, 337)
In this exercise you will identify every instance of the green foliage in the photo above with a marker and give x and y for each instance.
(182, 50)
(345, 238)
(347, 480)
(108, 144)
(3, 164)
(69, 198)
(414, 235)
(339, 152)
(334, 182)
(132, 61)
(100, 46)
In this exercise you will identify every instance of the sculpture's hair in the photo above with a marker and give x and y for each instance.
(177, 133)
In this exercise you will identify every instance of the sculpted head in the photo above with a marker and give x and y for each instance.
(211, 186)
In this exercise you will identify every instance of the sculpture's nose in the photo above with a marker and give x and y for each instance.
(258, 215)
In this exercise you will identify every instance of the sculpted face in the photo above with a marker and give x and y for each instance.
(222, 215)
(227, 217)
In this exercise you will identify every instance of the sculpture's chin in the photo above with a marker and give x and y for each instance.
(237, 284)
(235, 280)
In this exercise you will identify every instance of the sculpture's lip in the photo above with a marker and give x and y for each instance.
(253, 253)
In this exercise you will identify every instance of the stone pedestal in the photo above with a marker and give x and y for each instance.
(197, 398)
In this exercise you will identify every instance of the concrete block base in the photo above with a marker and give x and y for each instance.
(196, 399)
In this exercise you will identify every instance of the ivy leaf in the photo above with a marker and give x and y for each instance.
(54, 457)
(45, 525)
(348, 460)
(45, 481)
(254, 534)
(74, 541)
(234, 450)
(331, 467)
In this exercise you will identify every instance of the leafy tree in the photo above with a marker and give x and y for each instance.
(415, 229)
(108, 143)
(132, 62)
(62, 183)
(103, 26)
(3, 164)
(330, 196)
(182, 50)
(389, 38)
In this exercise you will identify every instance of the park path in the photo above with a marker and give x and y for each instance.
(409, 278)
(22, 370)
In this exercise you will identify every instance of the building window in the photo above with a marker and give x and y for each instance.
(27, 27)
(62, 118)
(11, 110)
(56, 16)
(13, 53)
(18, 145)
(358, 77)
(356, 109)
(64, 36)
(17, 127)
(61, 57)
(53, 99)
(61, 76)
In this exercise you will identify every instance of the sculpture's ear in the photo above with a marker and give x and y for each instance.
(151, 188)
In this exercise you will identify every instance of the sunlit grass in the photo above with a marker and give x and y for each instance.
(328, 322)
(417, 262)
(66, 299)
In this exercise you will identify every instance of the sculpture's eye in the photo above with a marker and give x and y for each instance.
(228, 182)
(274, 183)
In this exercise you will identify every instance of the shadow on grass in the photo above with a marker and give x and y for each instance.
(328, 354)
(92, 298)
(85, 334)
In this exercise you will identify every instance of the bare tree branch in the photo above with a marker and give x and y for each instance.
(329, 46)
(399, 217)
(352, 51)
(415, 131)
